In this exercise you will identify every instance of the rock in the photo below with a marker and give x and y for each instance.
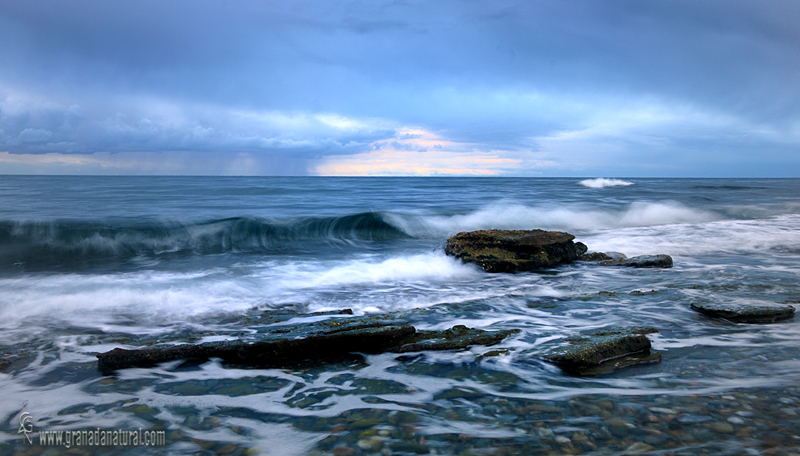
(642, 261)
(745, 313)
(293, 345)
(457, 337)
(514, 250)
(595, 256)
(602, 256)
(603, 350)
(4, 363)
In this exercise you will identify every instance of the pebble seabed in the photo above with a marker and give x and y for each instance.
(758, 421)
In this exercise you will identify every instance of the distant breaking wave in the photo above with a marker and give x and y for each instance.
(602, 182)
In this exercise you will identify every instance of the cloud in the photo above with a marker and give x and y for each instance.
(585, 86)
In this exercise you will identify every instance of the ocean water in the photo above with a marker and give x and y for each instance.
(88, 264)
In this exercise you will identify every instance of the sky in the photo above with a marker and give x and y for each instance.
(348, 88)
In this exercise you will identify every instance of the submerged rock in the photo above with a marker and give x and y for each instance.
(293, 345)
(642, 261)
(4, 363)
(514, 250)
(603, 350)
(745, 313)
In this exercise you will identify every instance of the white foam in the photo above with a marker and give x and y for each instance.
(138, 302)
(374, 269)
(515, 216)
(109, 300)
(602, 182)
(776, 235)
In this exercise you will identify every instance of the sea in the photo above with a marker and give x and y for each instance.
(89, 264)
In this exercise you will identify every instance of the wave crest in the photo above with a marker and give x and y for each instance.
(61, 241)
(602, 182)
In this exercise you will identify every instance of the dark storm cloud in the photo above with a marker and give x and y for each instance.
(649, 77)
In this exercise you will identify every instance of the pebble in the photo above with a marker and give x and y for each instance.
(369, 444)
(663, 410)
(563, 440)
(735, 420)
(342, 450)
(722, 427)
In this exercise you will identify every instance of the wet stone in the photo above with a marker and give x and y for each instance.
(723, 427)
(746, 313)
(605, 347)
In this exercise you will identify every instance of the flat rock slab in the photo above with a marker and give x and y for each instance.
(642, 261)
(745, 313)
(456, 338)
(292, 345)
(514, 250)
(603, 350)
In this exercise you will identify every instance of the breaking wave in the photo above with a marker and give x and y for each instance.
(46, 242)
(603, 182)
(64, 243)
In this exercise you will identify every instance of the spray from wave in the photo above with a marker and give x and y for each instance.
(603, 182)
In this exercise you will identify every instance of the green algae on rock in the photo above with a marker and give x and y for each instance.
(514, 250)
(746, 313)
(602, 350)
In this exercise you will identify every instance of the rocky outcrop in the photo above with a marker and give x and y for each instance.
(603, 350)
(327, 341)
(743, 313)
(514, 250)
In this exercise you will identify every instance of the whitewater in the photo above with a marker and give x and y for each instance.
(88, 264)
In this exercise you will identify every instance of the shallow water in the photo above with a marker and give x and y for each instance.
(90, 264)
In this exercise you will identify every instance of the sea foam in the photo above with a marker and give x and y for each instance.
(515, 216)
